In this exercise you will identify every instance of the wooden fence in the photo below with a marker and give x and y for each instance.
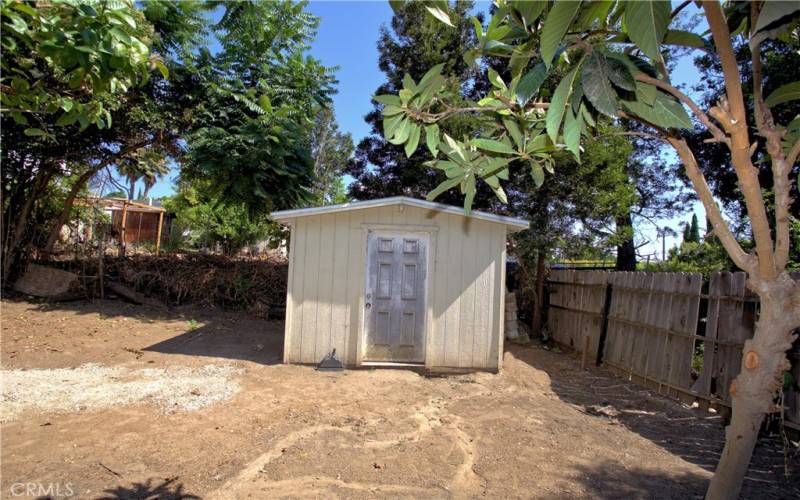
(662, 330)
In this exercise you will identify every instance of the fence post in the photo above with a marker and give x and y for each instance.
(604, 327)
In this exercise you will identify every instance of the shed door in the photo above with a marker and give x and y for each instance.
(395, 297)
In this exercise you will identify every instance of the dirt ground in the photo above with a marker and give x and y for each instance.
(542, 428)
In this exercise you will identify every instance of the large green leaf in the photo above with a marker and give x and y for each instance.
(647, 23)
(513, 131)
(390, 110)
(496, 166)
(430, 74)
(440, 14)
(529, 84)
(537, 172)
(620, 75)
(390, 124)
(558, 104)
(34, 132)
(597, 85)
(784, 93)
(388, 99)
(444, 186)
(402, 132)
(413, 139)
(684, 38)
(666, 112)
(572, 133)
(430, 89)
(774, 10)
(530, 10)
(493, 146)
(646, 92)
(408, 83)
(596, 10)
(496, 79)
(432, 138)
(555, 27)
(470, 190)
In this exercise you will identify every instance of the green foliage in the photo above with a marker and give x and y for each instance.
(595, 78)
(243, 163)
(705, 257)
(66, 58)
(212, 223)
(693, 235)
(574, 213)
(259, 98)
(414, 44)
(236, 122)
(143, 117)
(331, 151)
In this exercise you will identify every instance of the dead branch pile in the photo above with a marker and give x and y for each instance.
(206, 280)
(254, 285)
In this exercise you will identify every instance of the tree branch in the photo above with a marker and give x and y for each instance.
(721, 230)
(780, 170)
(427, 117)
(718, 134)
(679, 8)
(644, 135)
(733, 117)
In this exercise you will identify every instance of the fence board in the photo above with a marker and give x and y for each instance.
(652, 331)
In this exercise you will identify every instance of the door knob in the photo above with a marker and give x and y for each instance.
(367, 305)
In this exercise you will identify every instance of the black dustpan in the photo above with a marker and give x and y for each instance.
(330, 363)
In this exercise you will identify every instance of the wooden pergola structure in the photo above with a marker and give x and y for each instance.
(126, 206)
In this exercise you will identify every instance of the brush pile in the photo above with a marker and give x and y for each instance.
(232, 283)
(254, 285)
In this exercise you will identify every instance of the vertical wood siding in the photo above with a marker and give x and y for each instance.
(465, 286)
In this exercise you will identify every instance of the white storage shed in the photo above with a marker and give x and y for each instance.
(397, 281)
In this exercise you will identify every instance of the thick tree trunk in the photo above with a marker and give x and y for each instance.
(538, 303)
(626, 251)
(761, 376)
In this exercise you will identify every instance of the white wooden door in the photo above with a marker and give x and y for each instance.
(395, 297)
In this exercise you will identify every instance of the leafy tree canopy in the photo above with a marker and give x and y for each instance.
(611, 57)
(258, 99)
(332, 151)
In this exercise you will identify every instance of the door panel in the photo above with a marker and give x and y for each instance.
(395, 297)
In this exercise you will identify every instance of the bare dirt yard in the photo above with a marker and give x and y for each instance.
(108, 400)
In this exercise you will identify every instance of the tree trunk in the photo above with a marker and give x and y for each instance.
(626, 251)
(538, 302)
(68, 203)
(752, 392)
(12, 247)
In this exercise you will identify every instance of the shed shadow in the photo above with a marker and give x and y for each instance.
(208, 333)
(253, 340)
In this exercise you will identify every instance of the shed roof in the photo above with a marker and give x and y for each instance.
(512, 223)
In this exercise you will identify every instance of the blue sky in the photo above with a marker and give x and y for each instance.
(347, 38)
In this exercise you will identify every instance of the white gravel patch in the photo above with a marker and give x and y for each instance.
(96, 387)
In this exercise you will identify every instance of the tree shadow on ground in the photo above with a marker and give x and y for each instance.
(692, 434)
(209, 333)
(168, 489)
(610, 481)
